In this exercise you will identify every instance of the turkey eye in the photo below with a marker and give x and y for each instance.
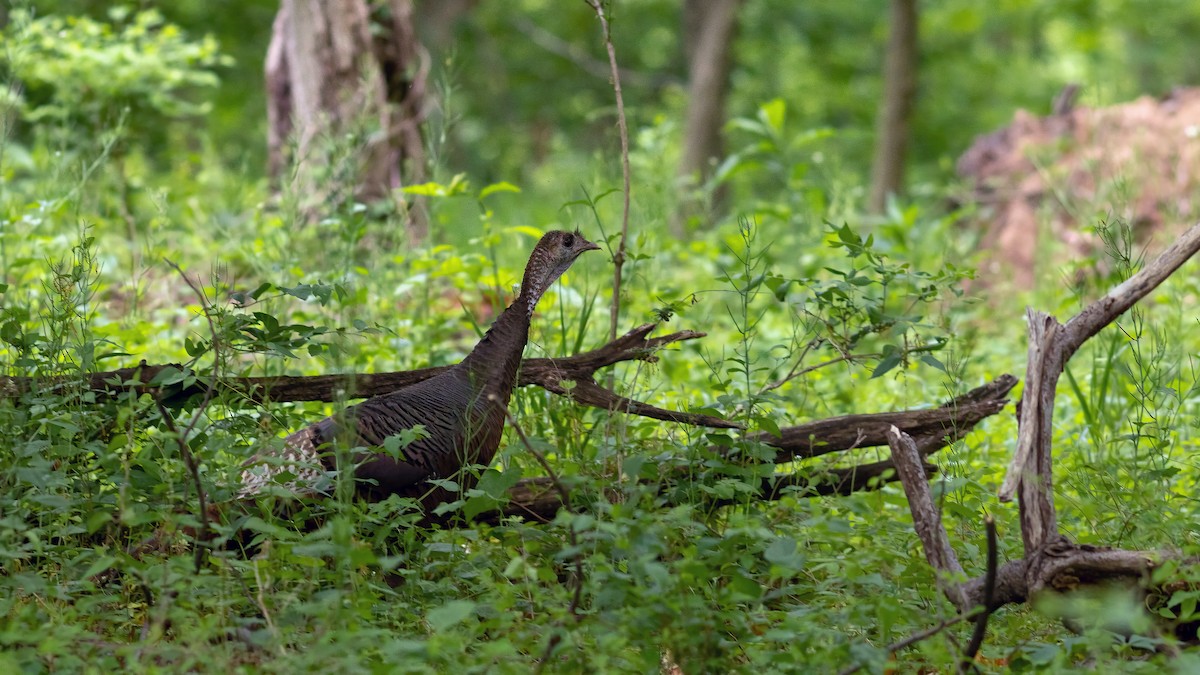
(569, 240)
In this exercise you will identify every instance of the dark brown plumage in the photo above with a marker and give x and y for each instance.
(462, 409)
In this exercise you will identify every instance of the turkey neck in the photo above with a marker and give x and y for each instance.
(494, 362)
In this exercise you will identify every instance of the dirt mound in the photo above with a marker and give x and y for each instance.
(1053, 176)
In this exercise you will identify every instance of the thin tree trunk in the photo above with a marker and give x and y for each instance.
(895, 110)
(405, 67)
(709, 27)
(343, 107)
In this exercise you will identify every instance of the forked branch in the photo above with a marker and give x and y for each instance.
(1051, 562)
(931, 430)
(1052, 344)
(552, 374)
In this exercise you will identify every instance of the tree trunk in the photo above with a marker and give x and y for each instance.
(343, 108)
(708, 27)
(899, 89)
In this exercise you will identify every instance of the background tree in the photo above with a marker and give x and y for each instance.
(334, 71)
(895, 108)
(708, 31)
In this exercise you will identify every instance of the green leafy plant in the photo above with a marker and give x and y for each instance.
(84, 71)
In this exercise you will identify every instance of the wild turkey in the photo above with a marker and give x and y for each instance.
(462, 409)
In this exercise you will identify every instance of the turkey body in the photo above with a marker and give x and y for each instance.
(462, 409)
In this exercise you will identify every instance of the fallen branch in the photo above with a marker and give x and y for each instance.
(1055, 344)
(926, 519)
(538, 499)
(1051, 562)
(837, 434)
(551, 374)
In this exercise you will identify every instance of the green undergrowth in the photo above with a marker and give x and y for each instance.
(867, 314)
(781, 585)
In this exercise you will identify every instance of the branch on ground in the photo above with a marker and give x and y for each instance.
(538, 499)
(1051, 561)
(551, 374)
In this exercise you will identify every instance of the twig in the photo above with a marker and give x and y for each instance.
(989, 598)
(797, 371)
(193, 468)
(262, 605)
(565, 495)
(619, 257)
(587, 392)
(578, 56)
(181, 437)
(915, 638)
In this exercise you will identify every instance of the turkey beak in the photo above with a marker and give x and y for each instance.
(589, 247)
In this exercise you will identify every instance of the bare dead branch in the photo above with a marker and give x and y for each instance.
(1062, 567)
(926, 519)
(1117, 301)
(989, 598)
(1050, 561)
(587, 392)
(796, 442)
(836, 434)
(537, 499)
(548, 373)
(1053, 344)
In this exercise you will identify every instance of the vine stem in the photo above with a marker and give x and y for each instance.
(181, 435)
(618, 257)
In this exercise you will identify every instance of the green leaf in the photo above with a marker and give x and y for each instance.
(450, 614)
(99, 565)
(525, 229)
(783, 552)
(256, 524)
(97, 520)
(745, 586)
(769, 425)
(932, 361)
(425, 190)
(168, 376)
(885, 365)
(495, 483)
(262, 288)
(778, 285)
(772, 114)
(503, 186)
(11, 333)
